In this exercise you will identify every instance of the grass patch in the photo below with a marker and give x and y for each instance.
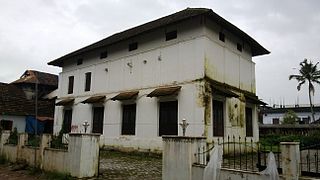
(53, 175)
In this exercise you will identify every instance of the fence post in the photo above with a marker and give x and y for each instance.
(290, 156)
(83, 154)
(44, 143)
(22, 139)
(4, 138)
(178, 156)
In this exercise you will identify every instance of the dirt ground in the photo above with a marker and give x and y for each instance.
(8, 172)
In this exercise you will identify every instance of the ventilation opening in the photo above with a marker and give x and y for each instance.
(171, 35)
(133, 46)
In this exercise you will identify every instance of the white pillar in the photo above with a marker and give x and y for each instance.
(83, 154)
(4, 138)
(290, 157)
(178, 156)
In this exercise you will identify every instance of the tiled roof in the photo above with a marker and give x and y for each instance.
(188, 13)
(14, 102)
(32, 76)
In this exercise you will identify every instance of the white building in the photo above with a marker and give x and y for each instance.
(137, 85)
(275, 115)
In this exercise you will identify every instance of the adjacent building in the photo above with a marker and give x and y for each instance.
(137, 85)
(275, 114)
(18, 104)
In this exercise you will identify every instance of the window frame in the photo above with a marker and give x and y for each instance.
(70, 84)
(217, 133)
(222, 36)
(168, 100)
(87, 84)
(251, 133)
(170, 35)
(128, 131)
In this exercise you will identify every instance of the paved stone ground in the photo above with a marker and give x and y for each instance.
(7, 173)
(117, 166)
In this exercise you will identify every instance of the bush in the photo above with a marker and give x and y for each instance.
(13, 138)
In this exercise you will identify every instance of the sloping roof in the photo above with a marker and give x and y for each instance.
(125, 96)
(185, 14)
(14, 102)
(295, 109)
(32, 76)
(164, 91)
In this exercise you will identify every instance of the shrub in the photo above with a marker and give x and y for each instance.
(13, 138)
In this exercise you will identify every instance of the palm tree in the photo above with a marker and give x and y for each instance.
(308, 72)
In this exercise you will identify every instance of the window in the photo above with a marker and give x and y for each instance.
(171, 35)
(275, 121)
(168, 118)
(239, 47)
(104, 54)
(133, 46)
(79, 61)
(221, 36)
(249, 128)
(88, 82)
(218, 118)
(67, 120)
(6, 125)
(70, 86)
(97, 123)
(128, 119)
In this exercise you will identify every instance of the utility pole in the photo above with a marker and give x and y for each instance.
(36, 121)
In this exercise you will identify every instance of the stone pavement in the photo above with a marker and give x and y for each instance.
(7, 173)
(117, 166)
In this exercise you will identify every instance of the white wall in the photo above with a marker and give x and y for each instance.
(18, 121)
(267, 117)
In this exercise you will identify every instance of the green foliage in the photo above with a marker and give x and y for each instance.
(57, 176)
(290, 117)
(33, 140)
(13, 138)
(308, 140)
(56, 141)
(309, 73)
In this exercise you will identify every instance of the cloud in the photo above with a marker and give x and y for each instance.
(35, 32)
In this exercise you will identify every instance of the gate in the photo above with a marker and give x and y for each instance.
(310, 160)
(262, 155)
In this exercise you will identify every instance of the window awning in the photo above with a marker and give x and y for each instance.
(165, 91)
(94, 99)
(65, 102)
(125, 96)
(224, 91)
(254, 99)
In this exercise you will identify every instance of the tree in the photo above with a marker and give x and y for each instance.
(290, 117)
(309, 73)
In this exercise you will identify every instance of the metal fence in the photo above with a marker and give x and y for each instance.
(238, 153)
(309, 156)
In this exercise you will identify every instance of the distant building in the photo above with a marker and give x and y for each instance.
(274, 115)
(137, 85)
(17, 102)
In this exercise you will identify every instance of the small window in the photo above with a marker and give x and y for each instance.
(218, 118)
(70, 85)
(67, 121)
(239, 47)
(221, 36)
(6, 125)
(133, 46)
(103, 54)
(275, 121)
(88, 81)
(128, 119)
(171, 35)
(79, 61)
(249, 126)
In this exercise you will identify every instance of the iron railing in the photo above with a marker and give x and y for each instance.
(309, 156)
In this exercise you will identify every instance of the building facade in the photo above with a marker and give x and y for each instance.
(137, 85)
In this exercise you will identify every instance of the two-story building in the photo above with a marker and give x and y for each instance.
(137, 85)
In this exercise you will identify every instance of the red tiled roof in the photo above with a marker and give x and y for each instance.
(32, 76)
(14, 102)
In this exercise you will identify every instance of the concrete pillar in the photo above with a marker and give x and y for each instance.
(45, 142)
(22, 140)
(290, 156)
(179, 155)
(4, 138)
(83, 154)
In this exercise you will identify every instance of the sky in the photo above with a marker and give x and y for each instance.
(34, 32)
